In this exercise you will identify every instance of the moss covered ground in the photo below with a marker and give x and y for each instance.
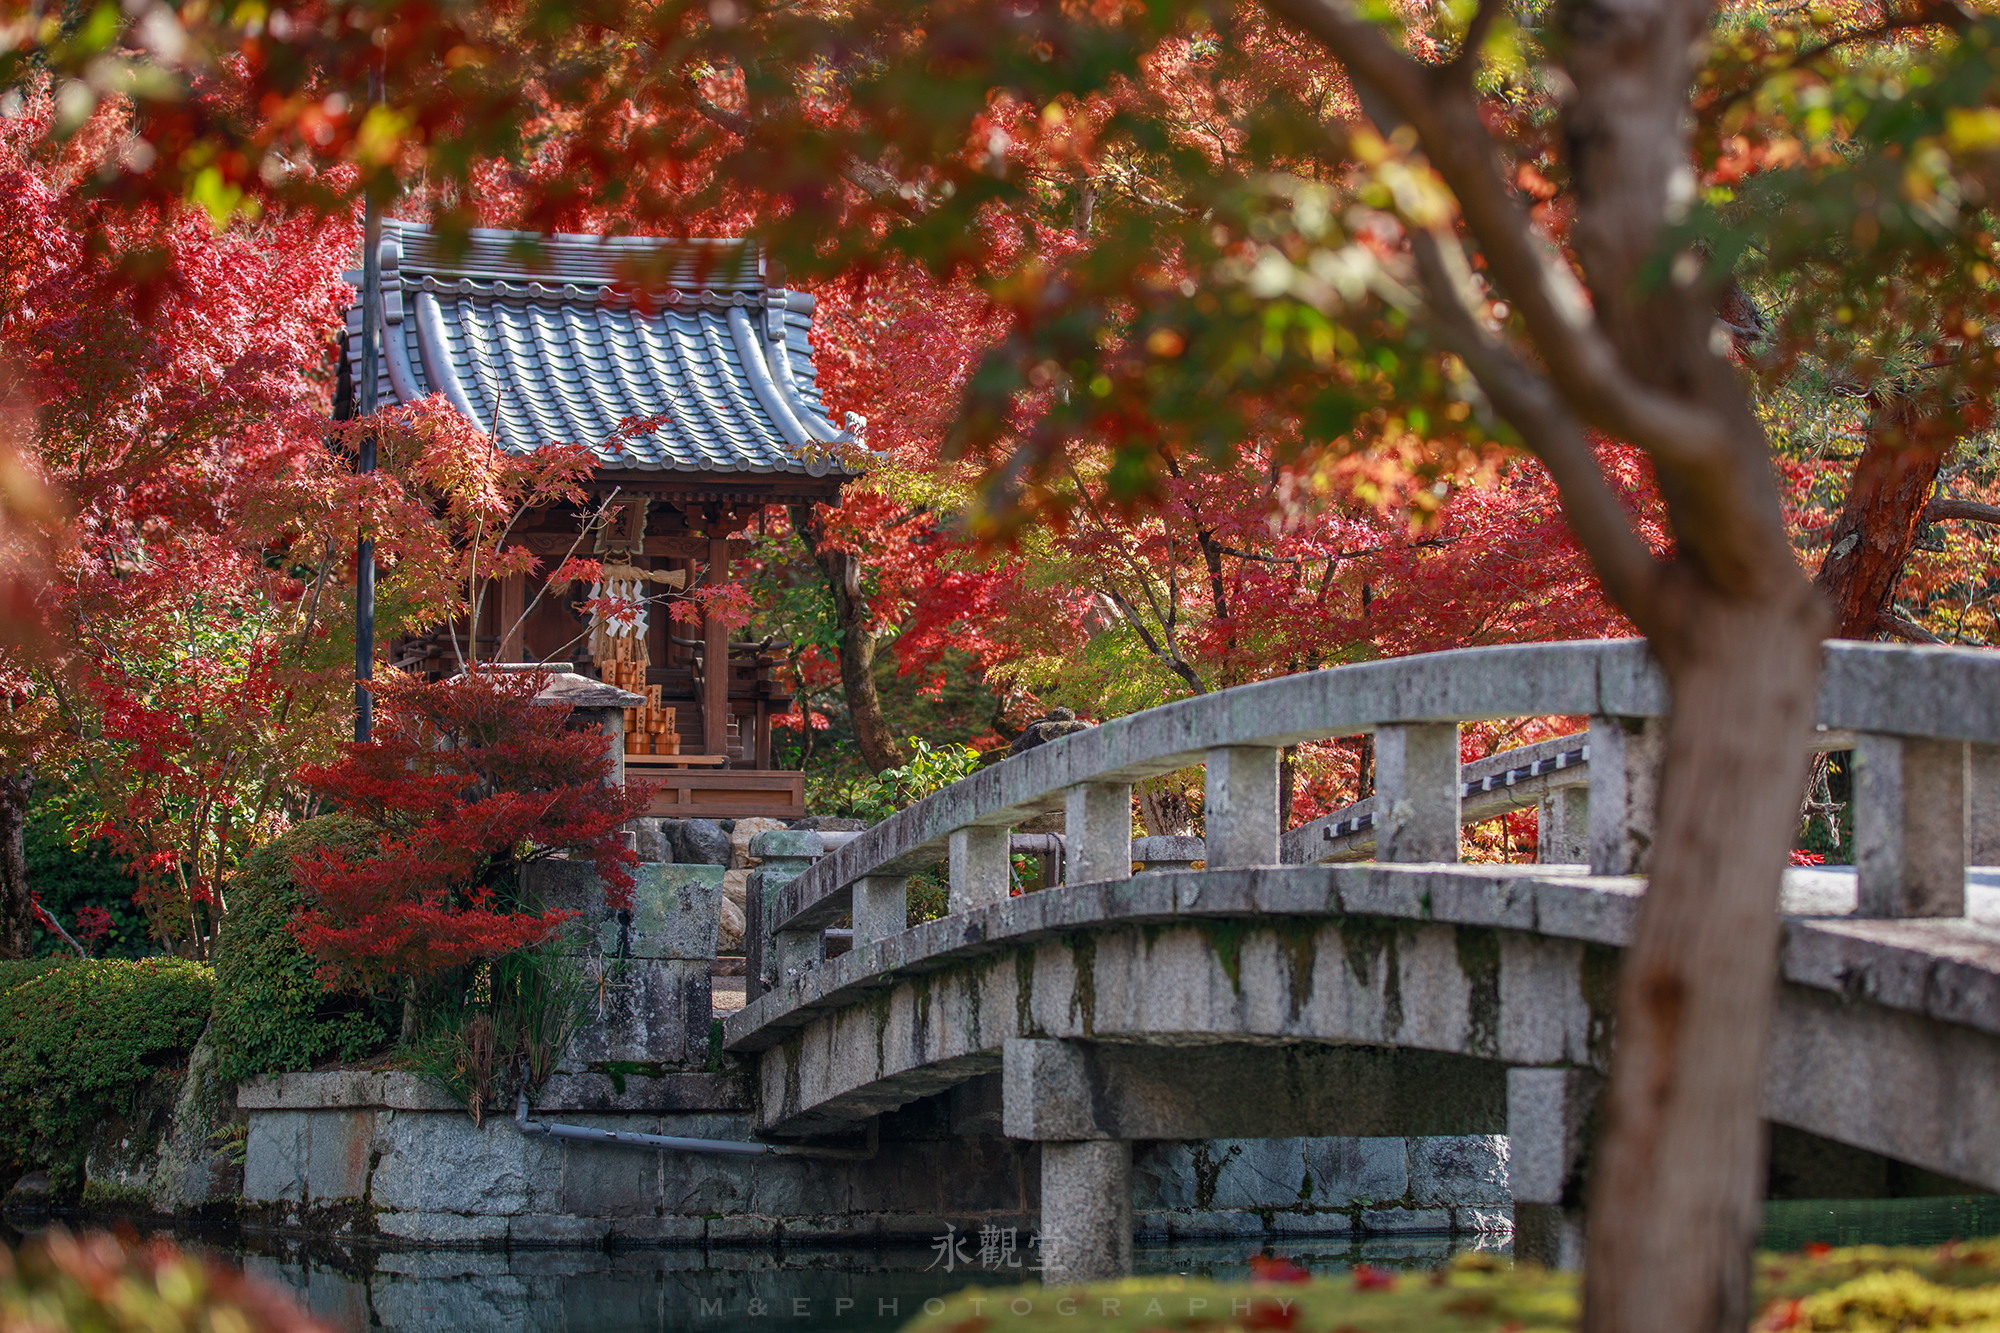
(1866, 1289)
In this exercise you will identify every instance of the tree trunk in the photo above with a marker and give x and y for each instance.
(857, 643)
(1676, 1185)
(17, 904)
(1878, 525)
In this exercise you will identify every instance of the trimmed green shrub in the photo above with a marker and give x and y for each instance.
(271, 1013)
(78, 1039)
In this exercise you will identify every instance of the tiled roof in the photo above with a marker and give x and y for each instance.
(564, 354)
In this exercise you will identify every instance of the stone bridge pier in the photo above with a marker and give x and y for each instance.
(1086, 1102)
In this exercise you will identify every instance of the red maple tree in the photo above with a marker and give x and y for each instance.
(466, 780)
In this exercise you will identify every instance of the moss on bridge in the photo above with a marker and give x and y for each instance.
(1865, 1288)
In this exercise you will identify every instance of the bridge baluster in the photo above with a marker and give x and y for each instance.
(980, 869)
(1562, 827)
(1983, 775)
(1241, 807)
(1910, 826)
(1416, 792)
(1097, 823)
(1625, 758)
(881, 908)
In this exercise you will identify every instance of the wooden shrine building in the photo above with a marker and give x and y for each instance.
(552, 350)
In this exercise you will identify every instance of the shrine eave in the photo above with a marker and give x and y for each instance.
(682, 489)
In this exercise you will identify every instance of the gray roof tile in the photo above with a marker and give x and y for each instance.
(553, 342)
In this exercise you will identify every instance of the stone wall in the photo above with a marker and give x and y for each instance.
(383, 1159)
(1322, 1186)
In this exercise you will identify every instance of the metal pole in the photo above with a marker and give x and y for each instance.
(364, 555)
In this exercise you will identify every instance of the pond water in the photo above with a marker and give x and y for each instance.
(872, 1290)
(713, 1291)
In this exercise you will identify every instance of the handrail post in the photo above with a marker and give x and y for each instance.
(1910, 826)
(1097, 825)
(1240, 808)
(1416, 792)
(1625, 758)
(980, 867)
(881, 908)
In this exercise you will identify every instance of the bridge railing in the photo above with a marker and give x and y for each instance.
(1922, 720)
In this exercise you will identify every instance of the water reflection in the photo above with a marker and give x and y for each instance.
(710, 1291)
(1796, 1223)
(867, 1290)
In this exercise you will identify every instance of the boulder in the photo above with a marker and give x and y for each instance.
(729, 939)
(1061, 722)
(742, 833)
(198, 1167)
(653, 844)
(830, 824)
(31, 1196)
(697, 842)
(736, 886)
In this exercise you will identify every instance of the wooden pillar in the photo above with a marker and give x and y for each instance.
(513, 605)
(715, 657)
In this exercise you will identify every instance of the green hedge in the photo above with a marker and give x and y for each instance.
(78, 1039)
(1867, 1289)
(271, 1013)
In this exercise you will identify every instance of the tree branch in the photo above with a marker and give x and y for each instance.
(1173, 660)
(1467, 60)
(1946, 509)
(1554, 308)
(1908, 631)
(1626, 567)
(877, 183)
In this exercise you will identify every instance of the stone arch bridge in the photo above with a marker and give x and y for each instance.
(1281, 990)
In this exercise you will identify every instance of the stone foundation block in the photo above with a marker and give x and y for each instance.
(338, 1145)
(1471, 1169)
(443, 1228)
(669, 1230)
(1483, 1221)
(1405, 1221)
(275, 1158)
(1312, 1224)
(558, 1229)
(436, 1164)
(1228, 1222)
(674, 914)
(657, 1011)
(834, 1229)
(742, 1229)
